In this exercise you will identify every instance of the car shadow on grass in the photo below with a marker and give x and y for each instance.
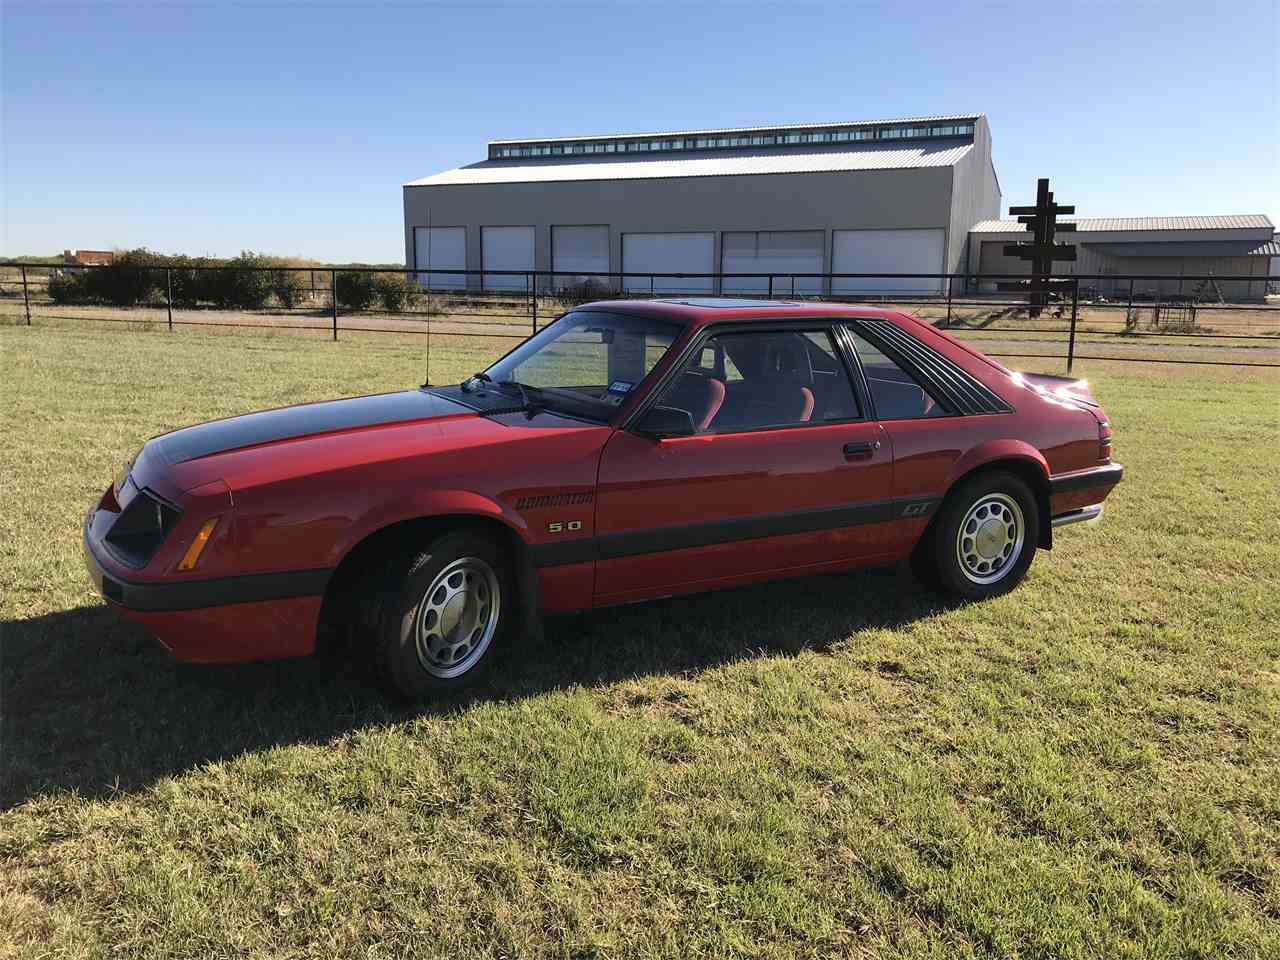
(92, 704)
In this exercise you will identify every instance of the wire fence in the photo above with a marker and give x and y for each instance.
(1223, 320)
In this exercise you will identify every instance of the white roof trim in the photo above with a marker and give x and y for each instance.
(722, 163)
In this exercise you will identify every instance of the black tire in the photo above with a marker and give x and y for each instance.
(406, 635)
(956, 564)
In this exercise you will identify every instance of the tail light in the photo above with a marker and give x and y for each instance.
(1104, 440)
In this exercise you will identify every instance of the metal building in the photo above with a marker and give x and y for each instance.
(1168, 248)
(892, 196)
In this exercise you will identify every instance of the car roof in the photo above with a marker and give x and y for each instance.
(703, 310)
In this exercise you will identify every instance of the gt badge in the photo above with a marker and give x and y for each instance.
(916, 509)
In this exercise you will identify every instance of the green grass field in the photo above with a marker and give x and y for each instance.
(1088, 767)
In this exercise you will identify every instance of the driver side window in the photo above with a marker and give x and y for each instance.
(754, 381)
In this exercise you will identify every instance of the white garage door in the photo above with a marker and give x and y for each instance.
(506, 248)
(581, 252)
(886, 251)
(440, 248)
(781, 253)
(663, 254)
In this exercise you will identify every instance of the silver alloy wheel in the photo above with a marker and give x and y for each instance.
(990, 538)
(457, 617)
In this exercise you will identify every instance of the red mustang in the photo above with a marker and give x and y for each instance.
(627, 451)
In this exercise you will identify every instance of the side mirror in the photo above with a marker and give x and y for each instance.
(661, 422)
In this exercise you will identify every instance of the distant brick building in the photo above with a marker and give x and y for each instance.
(87, 258)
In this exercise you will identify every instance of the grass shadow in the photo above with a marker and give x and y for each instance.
(89, 703)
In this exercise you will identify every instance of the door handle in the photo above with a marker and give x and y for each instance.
(862, 448)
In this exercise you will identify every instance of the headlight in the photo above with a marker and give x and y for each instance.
(141, 527)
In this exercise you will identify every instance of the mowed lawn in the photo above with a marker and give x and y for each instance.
(842, 766)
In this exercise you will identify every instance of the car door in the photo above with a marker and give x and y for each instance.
(782, 473)
(927, 438)
(923, 430)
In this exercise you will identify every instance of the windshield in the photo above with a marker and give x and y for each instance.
(587, 361)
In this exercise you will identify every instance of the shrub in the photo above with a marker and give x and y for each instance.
(130, 279)
(587, 289)
(356, 290)
(396, 291)
(186, 285)
(289, 288)
(251, 286)
(239, 282)
(217, 287)
(68, 288)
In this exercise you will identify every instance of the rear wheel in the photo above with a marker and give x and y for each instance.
(985, 536)
(438, 615)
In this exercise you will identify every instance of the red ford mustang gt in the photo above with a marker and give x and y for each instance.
(629, 450)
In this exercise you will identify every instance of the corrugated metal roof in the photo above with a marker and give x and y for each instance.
(1176, 248)
(1268, 248)
(724, 131)
(726, 163)
(1248, 221)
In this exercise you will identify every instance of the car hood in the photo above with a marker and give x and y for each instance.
(303, 420)
(336, 437)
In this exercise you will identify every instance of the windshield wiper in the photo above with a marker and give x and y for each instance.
(466, 384)
(531, 398)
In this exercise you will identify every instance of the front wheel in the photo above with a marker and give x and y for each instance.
(985, 536)
(440, 614)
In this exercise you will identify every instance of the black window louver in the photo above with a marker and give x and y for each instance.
(957, 390)
(140, 529)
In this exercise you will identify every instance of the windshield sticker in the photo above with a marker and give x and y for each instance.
(622, 387)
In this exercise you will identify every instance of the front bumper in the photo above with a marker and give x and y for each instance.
(197, 594)
(225, 620)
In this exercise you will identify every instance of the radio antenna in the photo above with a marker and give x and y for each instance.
(415, 280)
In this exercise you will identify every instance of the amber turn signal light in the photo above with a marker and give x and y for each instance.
(192, 556)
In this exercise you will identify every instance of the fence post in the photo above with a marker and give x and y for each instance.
(26, 301)
(948, 303)
(533, 285)
(1075, 309)
(771, 286)
(168, 294)
(333, 287)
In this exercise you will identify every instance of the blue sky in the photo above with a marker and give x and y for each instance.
(289, 129)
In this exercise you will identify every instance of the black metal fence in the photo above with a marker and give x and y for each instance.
(1230, 320)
